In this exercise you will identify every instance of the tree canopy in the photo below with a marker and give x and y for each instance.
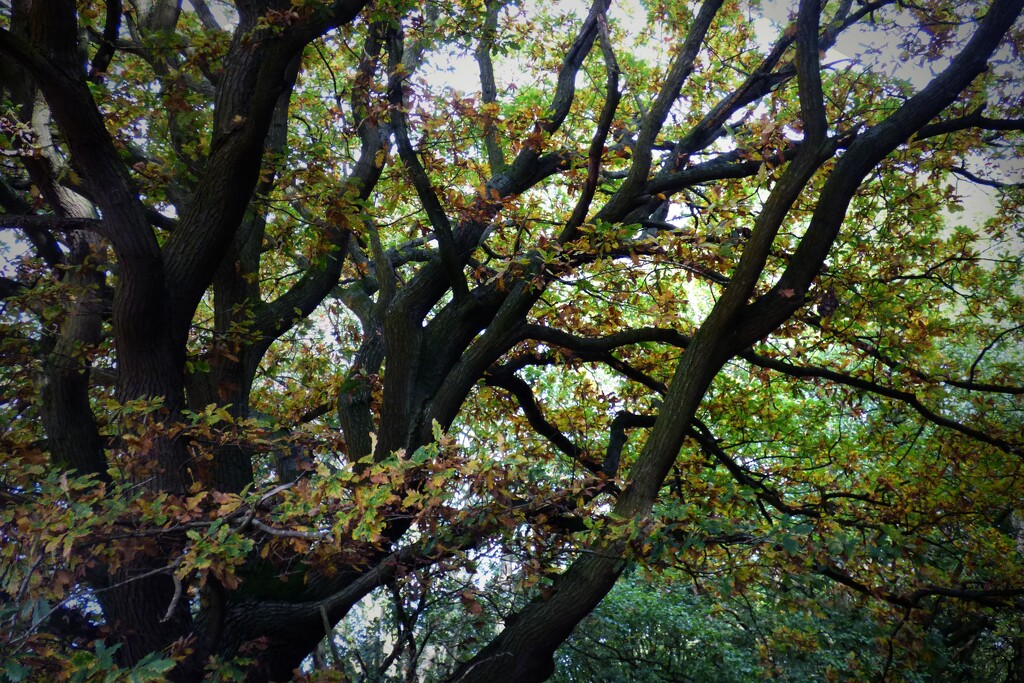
(478, 308)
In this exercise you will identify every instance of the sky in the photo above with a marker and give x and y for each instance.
(866, 49)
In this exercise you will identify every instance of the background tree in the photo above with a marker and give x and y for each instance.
(295, 320)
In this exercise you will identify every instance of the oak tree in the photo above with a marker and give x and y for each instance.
(308, 299)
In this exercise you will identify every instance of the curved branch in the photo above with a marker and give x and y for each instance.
(709, 444)
(971, 120)
(990, 346)
(968, 384)
(993, 597)
(681, 68)
(597, 144)
(906, 397)
(565, 90)
(523, 394)
(607, 343)
(617, 438)
(417, 174)
(591, 356)
(978, 180)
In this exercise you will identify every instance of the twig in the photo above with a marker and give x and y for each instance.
(174, 600)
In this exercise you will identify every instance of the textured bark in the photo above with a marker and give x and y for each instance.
(523, 650)
(158, 288)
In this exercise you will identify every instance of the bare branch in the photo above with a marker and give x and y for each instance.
(964, 173)
(808, 73)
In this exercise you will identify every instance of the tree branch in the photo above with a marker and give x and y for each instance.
(523, 394)
(27, 222)
(597, 144)
(417, 174)
(972, 120)
(681, 68)
(992, 597)
(786, 296)
(565, 89)
(808, 73)
(488, 87)
(111, 28)
(903, 396)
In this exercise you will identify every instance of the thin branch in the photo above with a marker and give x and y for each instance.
(969, 384)
(992, 597)
(417, 174)
(617, 438)
(175, 599)
(288, 533)
(905, 397)
(990, 346)
(709, 444)
(964, 173)
(597, 144)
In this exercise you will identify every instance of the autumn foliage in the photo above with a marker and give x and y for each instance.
(472, 309)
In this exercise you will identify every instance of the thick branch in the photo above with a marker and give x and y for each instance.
(101, 60)
(488, 87)
(808, 73)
